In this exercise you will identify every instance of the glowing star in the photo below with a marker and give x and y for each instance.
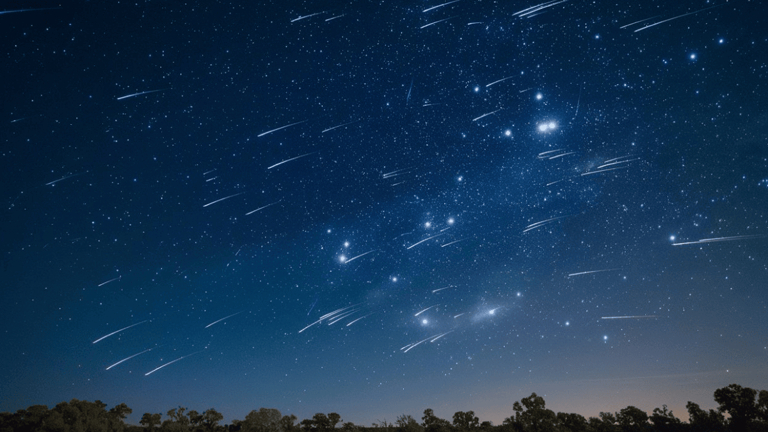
(394, 278)
(567, 323)
(428, 225)
(672, 238)
(342, 259)
(546, 127)
(477, 89)
(346, 244)
(605, 338)
(539, 96)
(508, 133)
(424, 321)
(451, 221)
(693, 56)
(460, 178)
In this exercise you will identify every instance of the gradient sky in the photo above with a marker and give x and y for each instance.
(373, 208)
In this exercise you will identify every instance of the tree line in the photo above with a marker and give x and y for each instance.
(740, 409)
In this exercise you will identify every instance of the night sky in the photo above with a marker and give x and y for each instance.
(374, 208)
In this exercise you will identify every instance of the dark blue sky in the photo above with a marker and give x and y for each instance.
(478, 201)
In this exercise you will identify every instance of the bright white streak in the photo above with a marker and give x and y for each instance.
(453, 242)
(218, 321)
(433, 340)
(118, 331)
(341, 125)
(209, 171)
(142, 93)
(128, 358)
(170, 363)
(63, 178)
(417, 344)
(544, 155)
(591, 271)
(423, 310)
(211, 179)
(358, 319)
(222, 199)
(498, 81)
(541, 8)
(561, 155)
(440, 5)
(676, 17)
(354, 258)
(333, 18)
(540, 223)
(301, 17)
(440, 289)
(456, 316)
(111, 280)
(638, 22)
(277, 129)
(602, 171)
(339, 318)
(486, 114)
(27, 10)
(435, 22)
(617, 158)
(719, 239)
(629, 317)
(420, 242)
(618, 162)
(530, 8)
(262, 208)
(291, 159)
(554, 182)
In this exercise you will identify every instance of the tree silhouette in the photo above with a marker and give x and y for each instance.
(149, 421)
(703, 421)
(406, 423)
(531, 415)
(632, 419)
(739, 403)
(465, 421)
(432, 423)
(263, 420)
(664, 421)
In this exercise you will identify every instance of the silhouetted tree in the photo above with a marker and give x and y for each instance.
(210, 420)
(149, 421)
(739, 402)
(333, 420)
(632, 419)
(178, 421)
(703, 421)
(263, 420)
(664, 421)
(349, 427)
(465, 421)
(406, 423)
(432, 423)
(531, 415)
(288, 423)
(572, 422)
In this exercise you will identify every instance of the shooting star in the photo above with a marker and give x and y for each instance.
(542, 223)
(341, 125)
(358, 319)
(629, 317)
(443, 288)
(435, 22)
(440, 5)
(423, 310)
(301, 17)
(602, 171)
(208, 172)
(422, 241)
(561, 155)
(537, 8)
(291, 159)
(453, 242)
(438, 337)
(486, 114)
(676, 17)
(281, 127)
(111, 280)
(222, 199)
(142, 93)
(63, 178)
(547, 154)
(498, 81)
(592, 271)
(720, 239)
(170, 363)
(361, 255)
(27, 10)
(396, 173)
(638, 22)
(118, 331)
(130, 357)
(408, 97)
(339, 318)
(226, 317)
(262, 207)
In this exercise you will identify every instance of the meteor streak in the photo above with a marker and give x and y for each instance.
(591, 272)
(142, 93)
(128, 358)
(422, 241)
(423, 310)
(440, 5)
(277, 129)
(291, 159)
(220, 320)
(361, 255)
(170, 363)
(720, 239)
(222, 199)
(118, 331)
(629, 317)
(262, 207)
